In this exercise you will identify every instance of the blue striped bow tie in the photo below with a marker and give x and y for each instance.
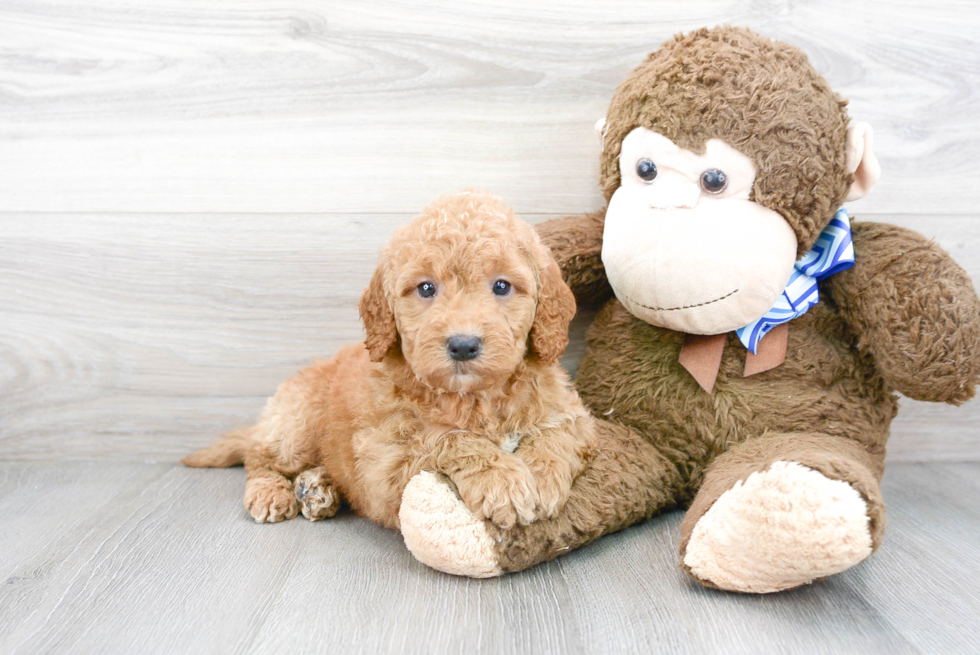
(832, 253)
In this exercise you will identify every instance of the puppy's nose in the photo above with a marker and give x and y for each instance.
(463, 347)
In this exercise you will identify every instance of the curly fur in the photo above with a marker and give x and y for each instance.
(363, 423)
(761, 97)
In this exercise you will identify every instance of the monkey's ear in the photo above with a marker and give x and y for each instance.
(861, 161)
(378, 318)
(556, 308)
(600, 131)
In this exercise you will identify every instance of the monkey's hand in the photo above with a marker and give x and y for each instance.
(915, 310)
(576, 242)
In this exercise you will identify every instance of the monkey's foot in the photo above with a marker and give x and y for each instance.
(779, 528)
(442, 532)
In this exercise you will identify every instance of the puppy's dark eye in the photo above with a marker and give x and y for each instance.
(647, 170)
(714, 180)
(426, 290)
(501, 287)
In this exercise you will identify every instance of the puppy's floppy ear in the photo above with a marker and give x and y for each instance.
(378, 318)
(556, 308)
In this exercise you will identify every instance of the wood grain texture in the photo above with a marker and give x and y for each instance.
(172, 563)
(145, 337)
(192, 196)
(378, 106)
(41, 502)
(171, 567)
(937, 499)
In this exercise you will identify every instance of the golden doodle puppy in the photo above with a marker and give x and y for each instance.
(466, 317)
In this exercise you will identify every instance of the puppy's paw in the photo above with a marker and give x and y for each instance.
(316, 496)
(553, 491)
(504, 493)
(270, 500)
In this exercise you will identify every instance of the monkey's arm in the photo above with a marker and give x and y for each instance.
(915, 310)
(576, 242)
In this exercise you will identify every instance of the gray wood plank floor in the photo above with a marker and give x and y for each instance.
(156, 558)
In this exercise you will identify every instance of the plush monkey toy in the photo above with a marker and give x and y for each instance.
(748, 365)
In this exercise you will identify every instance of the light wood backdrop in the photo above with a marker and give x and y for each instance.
(192, 194)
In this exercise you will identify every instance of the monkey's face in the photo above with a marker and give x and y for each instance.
(684, 248)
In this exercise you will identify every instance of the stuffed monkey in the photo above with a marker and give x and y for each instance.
(746, 361)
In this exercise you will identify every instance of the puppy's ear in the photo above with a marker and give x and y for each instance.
(378, 318)
(556, 308)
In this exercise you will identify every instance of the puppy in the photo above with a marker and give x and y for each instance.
(466, 316)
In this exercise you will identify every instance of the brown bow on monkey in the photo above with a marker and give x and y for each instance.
(725, 155)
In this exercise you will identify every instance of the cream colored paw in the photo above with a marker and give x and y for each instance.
(780, 528)
(553, 493)
(270, 500)
(442, 532)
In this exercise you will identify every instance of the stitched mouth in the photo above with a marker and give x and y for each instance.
(672, 309)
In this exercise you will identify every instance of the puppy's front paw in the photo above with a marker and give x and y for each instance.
(270, 500)
(553, 491)
(316, 496)
(504, 493)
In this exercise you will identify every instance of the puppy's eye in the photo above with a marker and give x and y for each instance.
(714, 180)
(647, 170)
(501, 287)
(426, 290)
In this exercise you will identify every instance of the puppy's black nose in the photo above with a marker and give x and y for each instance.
(463, 347)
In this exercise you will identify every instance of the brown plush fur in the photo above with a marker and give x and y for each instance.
(904, 319)
(360, 425)
(761, 97)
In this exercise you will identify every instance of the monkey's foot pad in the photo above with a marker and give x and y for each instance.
(778, 529)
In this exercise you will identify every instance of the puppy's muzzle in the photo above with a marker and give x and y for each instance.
(464, 347)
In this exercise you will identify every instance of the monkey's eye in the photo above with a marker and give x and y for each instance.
(501, 287)
(426, 290)
(647, 170)
(714, 180)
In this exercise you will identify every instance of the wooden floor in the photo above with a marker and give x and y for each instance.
(155, 558)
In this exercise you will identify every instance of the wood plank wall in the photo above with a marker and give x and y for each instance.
(192, 194)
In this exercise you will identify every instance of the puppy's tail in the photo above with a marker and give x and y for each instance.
(230, 451)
